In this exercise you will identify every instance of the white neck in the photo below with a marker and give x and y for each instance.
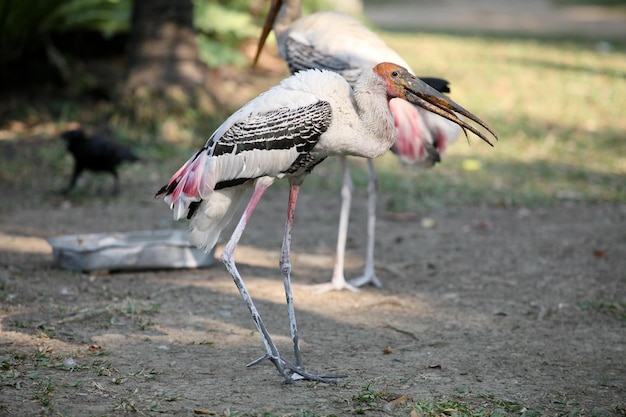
(372, 106)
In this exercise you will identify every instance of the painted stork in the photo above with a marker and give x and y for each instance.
(340, 43)
(284, 133)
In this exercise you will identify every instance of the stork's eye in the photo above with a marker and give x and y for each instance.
(394, 73)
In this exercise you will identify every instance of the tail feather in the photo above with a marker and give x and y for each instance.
(214, 213)
(191, 183)
(190, 194)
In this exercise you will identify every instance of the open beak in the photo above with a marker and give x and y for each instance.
(421, 94)
(267, 28)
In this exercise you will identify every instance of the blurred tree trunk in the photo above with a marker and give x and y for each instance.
(165, 75)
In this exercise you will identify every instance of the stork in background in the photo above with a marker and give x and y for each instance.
(284, 133)
(340, 43)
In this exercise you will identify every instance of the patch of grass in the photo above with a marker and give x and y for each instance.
(490, 407)
(44, 395)
(462, 402)
(300, 413)
(41, 357)
(555, 104)
(368, 396)
(133, 307)
(103, 368)
(126, 404)
(611, 308)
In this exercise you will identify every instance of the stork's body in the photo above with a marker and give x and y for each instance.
(285, 133)
(340, 43)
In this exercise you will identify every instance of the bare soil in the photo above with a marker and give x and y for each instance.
(489, 305)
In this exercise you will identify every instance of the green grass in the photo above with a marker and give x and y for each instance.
(556, 105)
(614, 309)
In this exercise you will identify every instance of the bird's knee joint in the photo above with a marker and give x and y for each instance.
(285, 267)
(227, 258)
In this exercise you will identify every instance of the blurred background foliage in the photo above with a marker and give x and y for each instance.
(557, 102)
(28, 26)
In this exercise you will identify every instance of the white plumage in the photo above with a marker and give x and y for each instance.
(279, 114)
(340, 43)
(285, 133)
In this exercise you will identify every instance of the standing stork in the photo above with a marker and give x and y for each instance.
(284, 133)
(340, 43)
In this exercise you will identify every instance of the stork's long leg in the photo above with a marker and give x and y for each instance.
(369, 274)
(289, 371)
(228, 258)
(338, 281)
(285, 267)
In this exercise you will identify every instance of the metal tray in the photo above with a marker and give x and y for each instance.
(158, 249)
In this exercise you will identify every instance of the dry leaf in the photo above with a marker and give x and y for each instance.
(388, 350)
(401, 400)
(400, 217)
(204, 412)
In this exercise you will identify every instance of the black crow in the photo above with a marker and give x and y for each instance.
(95, 153)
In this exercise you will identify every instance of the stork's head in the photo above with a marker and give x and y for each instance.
(400, 83)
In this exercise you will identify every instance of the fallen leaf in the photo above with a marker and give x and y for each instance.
(388, 350)
(204, 412)
(471, 165)
(400, 217)
(414, 413)
(434, 366)
(401, 400)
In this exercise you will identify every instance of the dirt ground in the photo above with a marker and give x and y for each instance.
(514, 309)
(490, 305)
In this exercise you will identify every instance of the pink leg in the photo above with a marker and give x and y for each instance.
(228, 258)
(289, 371)
(285, 267)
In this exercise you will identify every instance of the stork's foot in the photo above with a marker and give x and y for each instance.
(330, 286)
(366, 278)
(293, 373)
